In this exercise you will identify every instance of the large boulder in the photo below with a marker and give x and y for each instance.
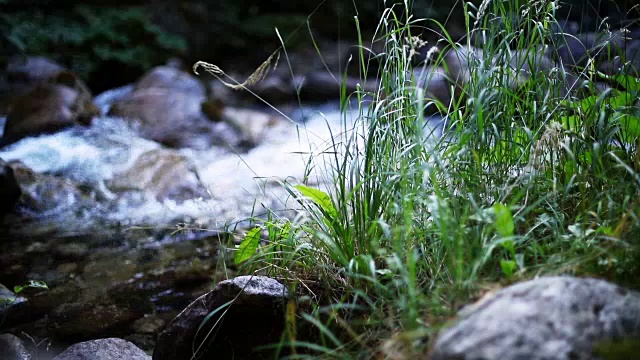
(10, 191)
(252, 310)
(62, 102)
(546, 318)
(164, 173)
(12, 348)
(172, 78)
(167, 105)
(170, 117)
(103, 349)
(23, 74)
(436, 85)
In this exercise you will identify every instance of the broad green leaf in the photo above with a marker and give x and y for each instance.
(508, 267)
(504, 220)
(628, 82)
(248, 246)
(629, 126)
(622, 99)
(32, 284)
(320, 198)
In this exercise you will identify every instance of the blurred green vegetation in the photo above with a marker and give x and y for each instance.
(83, 37)
(92, 38)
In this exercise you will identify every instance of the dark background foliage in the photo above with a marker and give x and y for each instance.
(110, 42)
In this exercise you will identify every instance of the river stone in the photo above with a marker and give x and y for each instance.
(255, 318)
(173, 118)
(164, 173)
(13, 308)
(62, 102)
(546, 318)
(251, 126)
(25, 73)
(12, 348)
(168, 77)
(10, 191)
(46, 193)
(322, 85)
(103, 349)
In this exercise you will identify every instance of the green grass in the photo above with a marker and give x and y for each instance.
(526, 180)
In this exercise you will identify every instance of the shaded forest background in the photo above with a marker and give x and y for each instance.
(110, 42)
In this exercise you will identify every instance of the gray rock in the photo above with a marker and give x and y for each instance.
(12, 307)
(545, 318)
(103, 349)
(255, 318)
(167, 77)
(12, 348)
(575, 50)
(462, 61)
(49, 108)
(436, 85)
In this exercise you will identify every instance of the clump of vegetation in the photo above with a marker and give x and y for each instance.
(86, 37)
(524, 181)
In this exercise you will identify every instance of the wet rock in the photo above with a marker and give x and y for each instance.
(25, 73)
(322, 85)
(460, 61)
(251, 126)
(171, 78)
(46, 193)
(103, 349)
(170, 117)
(101, 317)
(12, 348)
(255, 318)
(13, 308)
(166, 174)
(10, 191)
(63, 102)
(545, 318)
